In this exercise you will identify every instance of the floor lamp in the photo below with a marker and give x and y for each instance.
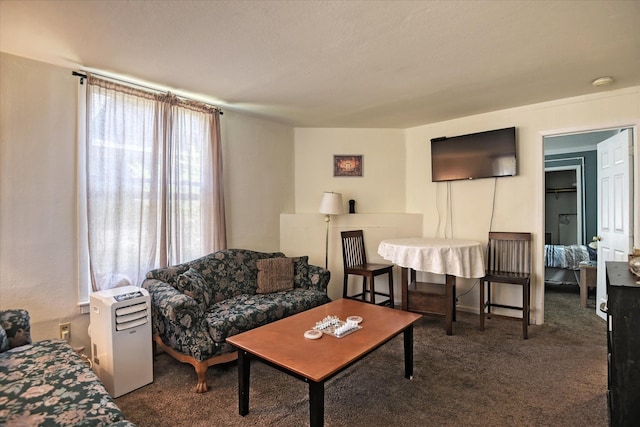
(331, 204)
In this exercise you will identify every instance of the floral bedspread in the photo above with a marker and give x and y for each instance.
(47, 384)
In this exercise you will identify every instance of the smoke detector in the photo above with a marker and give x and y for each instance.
(602, 81)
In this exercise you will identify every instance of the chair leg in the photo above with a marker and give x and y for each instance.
(391, 302)
(485, 306)
(482, 305)
(372, 296)
(454, 303)
(364, 288)
(525, 310)
(528, 303)
(345, 293)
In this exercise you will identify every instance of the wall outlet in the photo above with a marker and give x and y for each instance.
(65, 331)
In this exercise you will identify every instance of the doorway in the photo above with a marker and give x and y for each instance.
(571, 205)
(564, 202)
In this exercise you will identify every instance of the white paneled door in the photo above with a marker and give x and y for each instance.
(615, 190)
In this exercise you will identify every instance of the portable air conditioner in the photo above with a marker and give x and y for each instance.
(120, 330)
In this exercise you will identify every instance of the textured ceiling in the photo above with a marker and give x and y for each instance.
(341, 63)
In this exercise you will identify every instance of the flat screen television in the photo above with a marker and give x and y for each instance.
(478, 155)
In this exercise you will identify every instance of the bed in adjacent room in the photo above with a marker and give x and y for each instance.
(562, 263)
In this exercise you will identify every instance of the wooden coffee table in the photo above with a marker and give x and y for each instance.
(282, 345)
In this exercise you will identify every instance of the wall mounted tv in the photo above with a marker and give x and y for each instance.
(478, 155)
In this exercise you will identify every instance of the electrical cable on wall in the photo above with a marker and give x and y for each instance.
(475, 282)
(448, 223)
(447, 228)
(493, 203)
(438, 211)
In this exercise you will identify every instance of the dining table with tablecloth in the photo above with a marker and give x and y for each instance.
(450, 257)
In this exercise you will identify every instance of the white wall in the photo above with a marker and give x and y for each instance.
(379, 190)
(38, 259)
(261, 158)
(38, 236)
(259, 180)
(519, 200)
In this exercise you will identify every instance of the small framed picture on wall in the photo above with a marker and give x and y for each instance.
(347, 165)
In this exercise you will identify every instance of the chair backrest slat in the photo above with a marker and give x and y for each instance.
(509, 252)
(353, 252)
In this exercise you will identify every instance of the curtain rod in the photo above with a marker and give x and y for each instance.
(84, 76)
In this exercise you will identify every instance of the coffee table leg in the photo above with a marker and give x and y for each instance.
(316, 403)
(243, 382)
(408, 352)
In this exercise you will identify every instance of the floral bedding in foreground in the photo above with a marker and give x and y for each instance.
(47, 383)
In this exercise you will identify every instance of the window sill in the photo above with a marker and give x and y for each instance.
(83, 307)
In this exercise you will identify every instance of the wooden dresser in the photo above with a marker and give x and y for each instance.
(623, 343)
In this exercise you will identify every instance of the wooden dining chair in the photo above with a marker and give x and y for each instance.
(508, 262)
(355, 263)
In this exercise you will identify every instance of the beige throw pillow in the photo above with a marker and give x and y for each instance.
(274, 274)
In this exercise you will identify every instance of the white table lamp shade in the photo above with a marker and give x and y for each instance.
(331, 204)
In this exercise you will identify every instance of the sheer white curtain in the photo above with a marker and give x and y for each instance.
(153, 182)
(190, 189)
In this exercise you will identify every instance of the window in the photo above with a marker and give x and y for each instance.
(150, 188)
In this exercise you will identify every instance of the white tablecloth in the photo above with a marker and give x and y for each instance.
(460, 258)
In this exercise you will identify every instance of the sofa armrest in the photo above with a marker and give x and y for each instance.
(319, 278)
(173, 304)
(16, 327)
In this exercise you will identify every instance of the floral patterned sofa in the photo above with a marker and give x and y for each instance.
(47, 383)
(198, 304)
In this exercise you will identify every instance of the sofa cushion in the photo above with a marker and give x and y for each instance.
(16, 324)
(301, 272)
(193, 285)
(274, 274)
(244, 312)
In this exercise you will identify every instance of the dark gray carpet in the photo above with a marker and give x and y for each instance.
(558, 377)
